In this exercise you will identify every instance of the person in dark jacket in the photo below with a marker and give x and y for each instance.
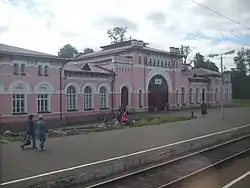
(203, 109)
(41, 130)
(30, 133)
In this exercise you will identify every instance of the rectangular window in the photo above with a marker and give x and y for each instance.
(71, 101)
(139, 59)
(42, 102)
(87, 101)
(22, 69)
(40, 70)
(103, 100)
(46, 70)
(16, 71)
(18, 103)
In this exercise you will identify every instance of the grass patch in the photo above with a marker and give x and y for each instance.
(155, 120)
(6, 139)
(242, 102)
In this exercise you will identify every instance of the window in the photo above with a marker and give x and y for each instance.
(71, 98)
(42, 103)
(191, 96)
(40, 70)
(176, 64)
(197, 95)
(158, 62)
(162, 64)
(166, 64)
(169, 64)
(150, 62)
(46, 71)
(18, 103)
(182, 95)
(139, 59)
(177, 97)
(154, 62)
(145, 61)
(227, 94)
(87, 98)
(22, 69)
(16, 72)
(103, 98)
(216, 95)
(140, 98)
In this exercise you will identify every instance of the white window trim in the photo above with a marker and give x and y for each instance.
(92, 99)
(25, 102)
(67, 104)
(107, 97)
(49, 101)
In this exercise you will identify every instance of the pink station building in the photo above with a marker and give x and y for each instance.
(128, 74)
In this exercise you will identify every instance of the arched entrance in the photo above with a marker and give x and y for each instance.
(157, 93)
(124, 97)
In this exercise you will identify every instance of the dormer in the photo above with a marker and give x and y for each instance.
(86, 67)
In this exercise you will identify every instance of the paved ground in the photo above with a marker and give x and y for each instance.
(76, 150)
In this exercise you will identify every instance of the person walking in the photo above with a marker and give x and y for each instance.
(41, 130)
(203, 109)
(30, 133)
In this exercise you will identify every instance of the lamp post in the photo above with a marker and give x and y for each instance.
(222, 80)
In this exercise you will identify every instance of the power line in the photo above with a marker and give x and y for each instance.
(220, 14)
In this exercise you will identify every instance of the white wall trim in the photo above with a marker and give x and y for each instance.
(162, 73)
(47, 84)
(103, 85)
(12, 86)
(92, 86)
(78, 90)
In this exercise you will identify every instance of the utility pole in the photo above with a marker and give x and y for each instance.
(221, 88)
(222, 79)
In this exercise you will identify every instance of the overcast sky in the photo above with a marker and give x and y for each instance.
(47, 25)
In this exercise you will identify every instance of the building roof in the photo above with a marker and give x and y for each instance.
(204, 72)
(81, 66)
(123, 46)
(12, 50)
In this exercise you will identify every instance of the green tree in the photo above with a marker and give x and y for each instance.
(200, 62)
(67, 51)
(117, 34)
(240, 76)
(185, 51)
(88, 50)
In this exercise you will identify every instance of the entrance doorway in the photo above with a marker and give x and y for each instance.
(157, 93)
(124, 97)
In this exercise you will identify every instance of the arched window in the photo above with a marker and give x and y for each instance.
(216, 95)
(154, 62)
(71, 98)
(46, 70)
(182, 95)
(16, 71)
(43, 99)
(191, 96)
(169, 64)
(158, 62)
(197, 95)
(166, 64)
(140, 98)
(19, 99)
(88, 98)
(150, 62)
(177, 97)
(103, 98)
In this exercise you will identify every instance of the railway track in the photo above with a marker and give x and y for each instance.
(169, 173)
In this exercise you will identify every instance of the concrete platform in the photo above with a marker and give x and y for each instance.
(66, 152)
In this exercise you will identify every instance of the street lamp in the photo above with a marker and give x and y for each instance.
(222, 81)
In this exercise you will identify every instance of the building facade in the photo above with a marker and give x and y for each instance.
(125, 74)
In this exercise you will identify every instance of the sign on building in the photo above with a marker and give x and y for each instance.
(158, 81)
